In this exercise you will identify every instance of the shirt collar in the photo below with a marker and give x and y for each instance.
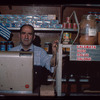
(31, 47)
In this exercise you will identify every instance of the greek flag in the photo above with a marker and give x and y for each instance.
(4, 32)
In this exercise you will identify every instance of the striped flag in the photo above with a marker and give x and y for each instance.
(4, 32)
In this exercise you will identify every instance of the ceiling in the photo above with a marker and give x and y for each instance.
(51, 2)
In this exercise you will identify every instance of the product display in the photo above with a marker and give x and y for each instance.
(68, 24)
(38, 21)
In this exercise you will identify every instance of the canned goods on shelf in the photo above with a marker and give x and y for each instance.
(74, 26)
(64, 25)
(69, 25)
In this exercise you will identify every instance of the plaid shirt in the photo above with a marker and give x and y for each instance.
(41, 58)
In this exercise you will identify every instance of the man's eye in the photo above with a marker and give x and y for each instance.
(30, 33)
(22, 32)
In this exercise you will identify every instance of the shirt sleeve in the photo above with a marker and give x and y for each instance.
(45, 60)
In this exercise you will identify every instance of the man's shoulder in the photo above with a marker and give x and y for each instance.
(16, 48)
(38, 48)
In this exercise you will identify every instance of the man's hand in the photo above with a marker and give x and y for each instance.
(54, 50)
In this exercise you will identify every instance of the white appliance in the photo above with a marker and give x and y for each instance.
(16, 72)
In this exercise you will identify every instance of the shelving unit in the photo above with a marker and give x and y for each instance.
(59, 54)
(59, 58)
(59, 69)
(44, 29)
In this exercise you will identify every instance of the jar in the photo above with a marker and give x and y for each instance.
(9, 45)
(3, 46)
(98, 28)
(48, 47)
(88, 30)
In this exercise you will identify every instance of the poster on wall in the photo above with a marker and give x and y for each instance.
(85, 53)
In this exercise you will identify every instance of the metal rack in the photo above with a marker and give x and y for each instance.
(59, 58)
(44, 29)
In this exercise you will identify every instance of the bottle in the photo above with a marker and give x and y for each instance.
(3, 46)
(48, 47)
(88, 30)
(9, 45)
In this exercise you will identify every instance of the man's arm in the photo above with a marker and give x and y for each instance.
(54, 51)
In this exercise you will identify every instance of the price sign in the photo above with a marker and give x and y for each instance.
(85, 53)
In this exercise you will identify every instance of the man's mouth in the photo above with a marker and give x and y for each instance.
(26, 39)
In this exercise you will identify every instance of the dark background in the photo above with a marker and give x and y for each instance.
(49, 2)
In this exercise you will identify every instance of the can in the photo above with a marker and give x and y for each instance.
(64, 25)
(74, 26)
(69, 25)
(65, 36)
(67, 19)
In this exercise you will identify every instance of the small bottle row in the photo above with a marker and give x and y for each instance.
(6, 45)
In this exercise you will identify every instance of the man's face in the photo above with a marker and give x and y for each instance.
(26, 36)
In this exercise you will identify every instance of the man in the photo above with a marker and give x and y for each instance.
(41, 58)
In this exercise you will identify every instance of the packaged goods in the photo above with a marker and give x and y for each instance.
(67, 19)
(64, 25)
(48, 47)
(54, 21)
(66, 38)
(88, 30)
(51, 26)
(44, 25)
(6, 45)
(58, 26)
(9, 45)
(36, 17)
(3, 45)
(44, 17)
(51, 17)
(38, 21)
(69, 25)
(74, 26)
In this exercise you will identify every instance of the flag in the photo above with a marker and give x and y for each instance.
(4, 32)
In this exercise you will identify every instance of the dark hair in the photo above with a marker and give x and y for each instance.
(27, 25)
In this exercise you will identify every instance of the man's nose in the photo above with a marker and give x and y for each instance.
(26, 35)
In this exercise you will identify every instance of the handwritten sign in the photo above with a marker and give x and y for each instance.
(85, 53)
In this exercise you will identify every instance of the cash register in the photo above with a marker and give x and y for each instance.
(17, 72)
